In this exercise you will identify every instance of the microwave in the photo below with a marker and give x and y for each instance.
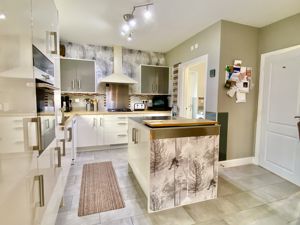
(43, 68)
(160, 102)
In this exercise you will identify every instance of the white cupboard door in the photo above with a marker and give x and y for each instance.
(87, 131)
(45, 26)
(279, 139)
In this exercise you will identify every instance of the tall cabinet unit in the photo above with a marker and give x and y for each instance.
(27, 177)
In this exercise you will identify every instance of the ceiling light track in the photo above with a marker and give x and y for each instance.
(130, 20)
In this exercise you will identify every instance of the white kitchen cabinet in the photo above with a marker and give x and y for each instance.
(116, 129)
(25, 176)
(45, 27)
(90, 130)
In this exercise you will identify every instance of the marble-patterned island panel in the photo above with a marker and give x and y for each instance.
(183, 171)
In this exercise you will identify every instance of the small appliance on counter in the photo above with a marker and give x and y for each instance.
(139, 107)
(160, 102)
(66, 103)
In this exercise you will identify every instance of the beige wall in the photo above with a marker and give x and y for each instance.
(209, 43)
(239, 42)
(279, 35)
(224, 42)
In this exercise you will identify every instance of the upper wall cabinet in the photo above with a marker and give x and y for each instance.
(154, 79)
(77, 75)
(45, 27)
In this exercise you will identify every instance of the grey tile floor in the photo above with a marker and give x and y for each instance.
(246, 195)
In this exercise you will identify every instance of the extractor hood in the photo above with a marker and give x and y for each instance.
(118, 76)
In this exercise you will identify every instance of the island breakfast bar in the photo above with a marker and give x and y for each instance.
(174, 160)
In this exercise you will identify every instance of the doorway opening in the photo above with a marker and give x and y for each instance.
(192, 88)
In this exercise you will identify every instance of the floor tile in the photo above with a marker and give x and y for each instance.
(242, 171)
(262, 215)
(125, 221)
(288, 208)
(177, 216)
(277, 191)
(212, 209)
(295, 222)
(226, 187)
(144, 219)
(72, 218)
(133, 207)
(245, 200)
(212, 222)
(67, 204)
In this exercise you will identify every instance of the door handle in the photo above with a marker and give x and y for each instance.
(73, 84)
(40, 179)
(70, 134)
(58, 150)
(79, 84)
(100, 122)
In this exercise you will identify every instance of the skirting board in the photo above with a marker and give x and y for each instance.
(101, 147)
(236, 162)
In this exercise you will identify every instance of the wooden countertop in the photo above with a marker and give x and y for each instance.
(180, 122)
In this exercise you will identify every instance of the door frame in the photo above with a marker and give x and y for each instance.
(181, 81)
(263, 60)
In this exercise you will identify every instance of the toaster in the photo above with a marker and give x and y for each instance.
(139, 107)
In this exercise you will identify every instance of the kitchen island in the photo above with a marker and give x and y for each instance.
(175, 161)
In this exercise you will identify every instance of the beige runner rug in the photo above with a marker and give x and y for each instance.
(100, 190)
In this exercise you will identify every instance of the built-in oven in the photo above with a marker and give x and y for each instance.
(43, 68)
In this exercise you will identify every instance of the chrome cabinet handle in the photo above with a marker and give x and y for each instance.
(46, 76)
(100, 122)
(94, 122)
(63, 141)
(70, 134)
(73, 84)
(122, 123)
(40, 179)
(58, 150)
(122, 135)
(136, 136)
(79, 84)
(37, 121)
(54, 36)
(133, 135)
(122, 118)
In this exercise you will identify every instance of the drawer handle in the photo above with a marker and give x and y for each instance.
(58, 156)
(122, 135)
(122, 123)
(122, 118)
(40, 179)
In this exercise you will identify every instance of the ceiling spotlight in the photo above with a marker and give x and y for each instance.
(147, 13)
(125, 27)
(129, 38)
(2, 16)
(132, 22)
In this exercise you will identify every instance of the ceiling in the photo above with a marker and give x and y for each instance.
(99, 21)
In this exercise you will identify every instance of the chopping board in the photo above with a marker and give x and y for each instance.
(179, 123)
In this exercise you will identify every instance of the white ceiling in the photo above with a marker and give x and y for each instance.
(99, 21)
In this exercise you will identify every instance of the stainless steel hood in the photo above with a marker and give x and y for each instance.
(118, 76)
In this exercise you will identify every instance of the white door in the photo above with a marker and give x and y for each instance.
(279, 146)
(87, 131)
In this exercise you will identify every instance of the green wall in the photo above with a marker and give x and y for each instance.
(224, 42)
(282, 34)
(239, 42)
(209, 43)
